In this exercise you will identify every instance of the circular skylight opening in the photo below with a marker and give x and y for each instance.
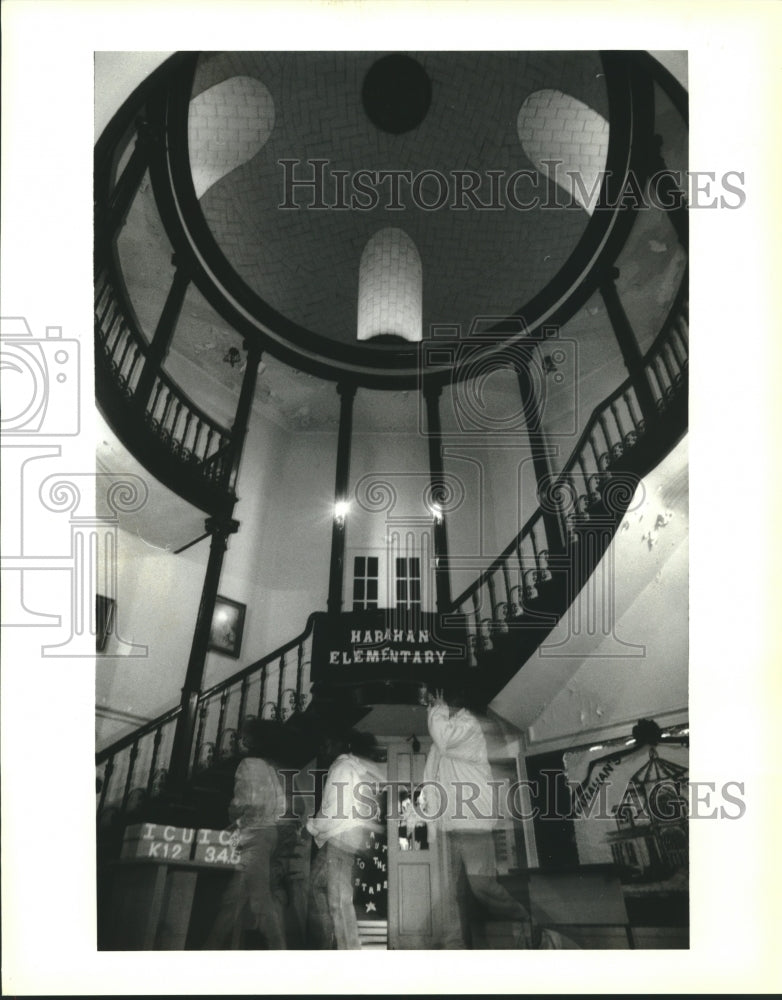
(396, 94)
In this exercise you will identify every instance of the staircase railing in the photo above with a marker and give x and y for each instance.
(132, 771)
(504, 596)
(198, 442)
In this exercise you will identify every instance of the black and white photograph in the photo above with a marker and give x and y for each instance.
(365, 551)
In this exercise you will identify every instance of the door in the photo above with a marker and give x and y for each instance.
(413, 855)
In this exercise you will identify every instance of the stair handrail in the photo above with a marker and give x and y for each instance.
(125, 741)
(259, 664)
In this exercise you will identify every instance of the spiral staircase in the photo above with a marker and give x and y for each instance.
(518, 599)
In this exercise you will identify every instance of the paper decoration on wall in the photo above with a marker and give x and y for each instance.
(630, 806)
(371, 895)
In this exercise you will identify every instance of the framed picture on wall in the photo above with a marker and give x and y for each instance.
(225, 635)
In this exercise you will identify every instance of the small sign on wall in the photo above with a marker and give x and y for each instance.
(217, 847)
(382, 645)
(158, 841)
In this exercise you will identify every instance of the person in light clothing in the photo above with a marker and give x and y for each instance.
(339, 830)
(256, 808)
(458, 762)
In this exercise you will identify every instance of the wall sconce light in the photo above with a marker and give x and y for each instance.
(437, 512)
(341, 508)
(415, 743)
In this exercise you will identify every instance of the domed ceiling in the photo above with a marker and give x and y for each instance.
(358, 111)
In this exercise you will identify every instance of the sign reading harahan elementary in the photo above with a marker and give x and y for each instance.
(387, 646)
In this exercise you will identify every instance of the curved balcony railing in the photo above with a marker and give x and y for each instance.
(189, 434)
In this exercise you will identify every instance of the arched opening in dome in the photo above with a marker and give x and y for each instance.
(390, 288)
(567, 141)
(227, 125)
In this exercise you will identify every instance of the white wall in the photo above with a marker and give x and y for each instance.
(579, 683)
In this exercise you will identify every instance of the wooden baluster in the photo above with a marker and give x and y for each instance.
(153, 763)
(676, 350)
(280, 679)
(137, 355)
(508, 584)
(595, 451)
(617, 421)
(584, 476)
(659, 375)
(175, 421)
(601, 419)
(200, 733)
(128, 345)
(113, 333)
(683, 329)
(262, 698)
(637, 421)
(131, 768)
(158, 388)
(492, 596)
(166, 408)
(221, 722)
(188, 418)
(107, 305)
(108, 771)
(477, 614)
(242, 704)
(207, 448)
(667, 366)
(199, 429)
(299, 675)
(535, 552)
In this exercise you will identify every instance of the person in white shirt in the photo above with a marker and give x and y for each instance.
(339, 829)
(458, 762)
(256, 808)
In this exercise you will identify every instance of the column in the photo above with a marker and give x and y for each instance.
(219, 527)
(437, 481)
(243, 407)
(164, 332)
(553, 519)
(628, 345)
(347, 393)
(669, 193)
(127, 185)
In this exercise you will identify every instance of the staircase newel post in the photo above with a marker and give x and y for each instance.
(347, 393)
(438, 491)
(219, 527)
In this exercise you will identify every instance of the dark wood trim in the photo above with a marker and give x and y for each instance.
(540, 450)
(220, 529)
(438, 489)
(164, 332)
(628, 345)
(347, 393)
